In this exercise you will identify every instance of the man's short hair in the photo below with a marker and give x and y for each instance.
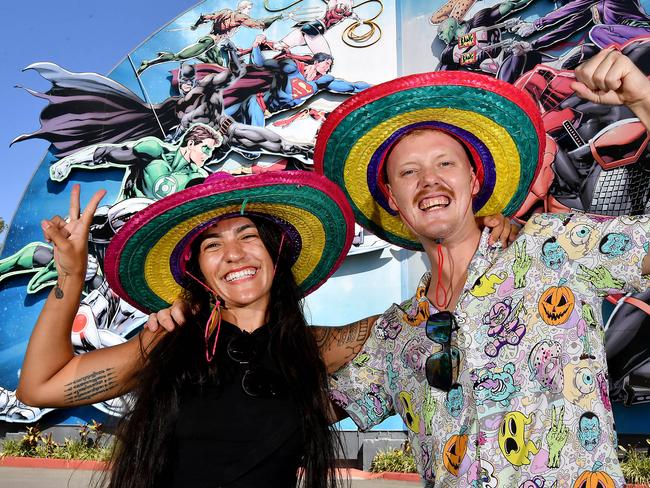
(320, 57)
(197, 134)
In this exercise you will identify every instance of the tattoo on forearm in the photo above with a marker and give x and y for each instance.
(58, 289)
(91, 385)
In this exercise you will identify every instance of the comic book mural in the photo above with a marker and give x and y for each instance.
(243, 87)
(235, 86)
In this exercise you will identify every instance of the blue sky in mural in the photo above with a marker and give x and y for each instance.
(78, 35)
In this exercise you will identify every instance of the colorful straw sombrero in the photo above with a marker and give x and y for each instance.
(499, 124)
(145, 261)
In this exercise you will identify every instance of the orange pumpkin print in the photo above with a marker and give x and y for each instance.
(594, 478)
(556, 304)
(454, 452)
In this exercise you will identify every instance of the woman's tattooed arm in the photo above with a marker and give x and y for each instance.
(339, 345)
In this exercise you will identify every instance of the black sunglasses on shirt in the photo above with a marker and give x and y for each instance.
(440, 365)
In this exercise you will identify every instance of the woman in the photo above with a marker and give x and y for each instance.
(237, 397)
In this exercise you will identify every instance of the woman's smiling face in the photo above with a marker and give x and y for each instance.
(236, 264)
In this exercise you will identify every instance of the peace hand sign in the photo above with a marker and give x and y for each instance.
(70, 238)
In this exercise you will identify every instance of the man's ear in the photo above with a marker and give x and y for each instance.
(476, 185)
(391, 200)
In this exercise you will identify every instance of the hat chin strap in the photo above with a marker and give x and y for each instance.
(440, 288)
(275, 266)
(214, 321)
(439, 285)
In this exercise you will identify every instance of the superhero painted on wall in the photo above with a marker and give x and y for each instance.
(87, 109)
(494, 41)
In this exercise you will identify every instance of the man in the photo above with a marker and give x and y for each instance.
(497, 364)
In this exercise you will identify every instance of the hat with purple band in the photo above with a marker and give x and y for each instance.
(145, 261)
(499, 125)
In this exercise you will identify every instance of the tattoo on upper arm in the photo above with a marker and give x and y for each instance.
(323, 336)
(354, 337)
(348, 339)
(91, 385)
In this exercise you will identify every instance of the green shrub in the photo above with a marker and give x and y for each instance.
(12, 447)
(35, 444)
(635, 465)
(26, 447)
(397, 460)
(71, 449)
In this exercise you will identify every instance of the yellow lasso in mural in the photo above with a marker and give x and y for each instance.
(370, 36)
(351, 35)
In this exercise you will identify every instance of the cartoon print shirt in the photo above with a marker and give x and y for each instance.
(531, 400)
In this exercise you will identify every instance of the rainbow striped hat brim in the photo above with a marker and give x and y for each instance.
(145, 261)
(498, 123)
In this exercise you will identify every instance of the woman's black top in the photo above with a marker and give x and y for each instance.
(226, 437)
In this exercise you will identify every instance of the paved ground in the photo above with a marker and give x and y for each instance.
(65, 478)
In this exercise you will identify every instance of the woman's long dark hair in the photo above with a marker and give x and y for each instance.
(145, 434)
